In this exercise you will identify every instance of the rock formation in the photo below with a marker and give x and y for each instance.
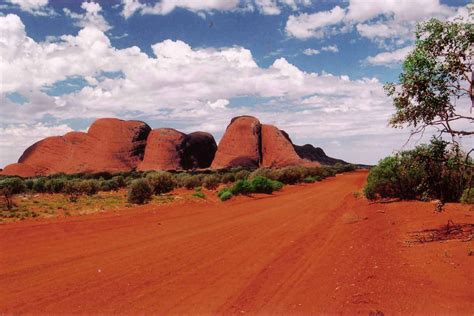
(277, 149)
(163, 150)
(240, 145)
(115, 145)
(169, 149)
(109, 145)
(247, 143)
(199, 149)
(309, 152)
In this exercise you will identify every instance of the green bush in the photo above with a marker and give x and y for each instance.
(433, 171)
(9, 187)
(29, 184)
(90, 186)
(276, 185)
(241, 175)
(55, 185)
(189, 181)
(268, 173)
(199, 193)
(120, 181)
(242, 187)
(225, 194)
(261, 185)
(211, 182)
(468, 196)
(309, 179)
(291, 175)
(73, 189)
(161, 182)
(39, 185)
(227, 178)
(139, 192)
(109, 185)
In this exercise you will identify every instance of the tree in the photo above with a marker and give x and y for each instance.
(9, 187)
(436, 74)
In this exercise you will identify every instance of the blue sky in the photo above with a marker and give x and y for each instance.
(313, 68)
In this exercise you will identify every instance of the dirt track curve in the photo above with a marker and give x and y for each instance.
(309, 249)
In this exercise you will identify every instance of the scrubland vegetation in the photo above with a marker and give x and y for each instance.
(82, 190)
(434, 171)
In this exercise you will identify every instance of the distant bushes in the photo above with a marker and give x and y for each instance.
(432, 171)
(238, 180)
(8, 188)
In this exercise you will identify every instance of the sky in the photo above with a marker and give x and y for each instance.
(315, 69)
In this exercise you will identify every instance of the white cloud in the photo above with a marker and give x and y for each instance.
(201, 7)
(15, 138)
(35, 7)
(400, 10)
(313, 25)
(330, 48)
(389, 58)
(310, 51)
(91, 18)
(166, 6)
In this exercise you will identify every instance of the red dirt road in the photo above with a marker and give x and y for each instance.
(309, 249)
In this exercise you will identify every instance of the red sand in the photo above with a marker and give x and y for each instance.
(309, 249)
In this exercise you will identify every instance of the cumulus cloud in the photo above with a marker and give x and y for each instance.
(91, 18)
(390, 22)
(35, 7)
(389, 58)
(330, 48)
(314, 25)
(311, 51)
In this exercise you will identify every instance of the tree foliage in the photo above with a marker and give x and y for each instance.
(436, 74)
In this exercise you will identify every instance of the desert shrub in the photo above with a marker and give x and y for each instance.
(227, 178)
(73, 189)
(55, 185)
(211, 181)
(161, 182)
(276, 185)
(291, 175)
(29, 184)
(198, 193)
(432, 171)
(39, 185)
(120, 181)
(262, 185)
(268, 173)
(109, 185)
(241, 175)
(190, 181)
(340, 167)
(139, 192)
(9, 187)
(328, 172)
(90, 186)
(468, 196)
(242, 187)
(309, 179)
(225, 194)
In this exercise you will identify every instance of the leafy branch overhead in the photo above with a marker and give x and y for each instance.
(436, 75)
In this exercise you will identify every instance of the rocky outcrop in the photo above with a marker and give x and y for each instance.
(199, 149)
(277, 149)
(309, 152)
(248, 143)
(163, 150)
(240, 145)
(109, 145)
(169, 149)
(115, 145)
